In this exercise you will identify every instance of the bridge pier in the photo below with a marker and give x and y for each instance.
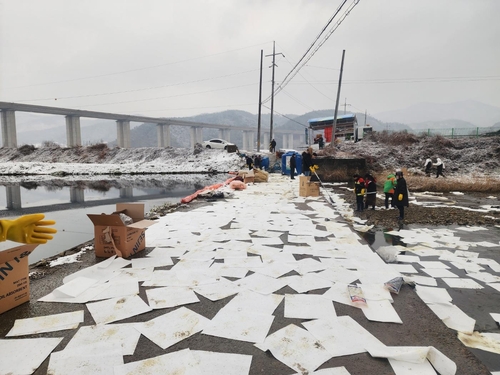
(290, 140)
(199, 135)
(252, 138)
(225, 134)
(9, 133)
(127, 192)
(248, 137)
(123, 133)
(76, 195)
(284, 142)
(163, 135)
(302, 140)
(196, 135)
(73, 131)
(13, 196)
(266, 143)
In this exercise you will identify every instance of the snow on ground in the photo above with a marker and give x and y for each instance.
(463, 156)
(136, 161)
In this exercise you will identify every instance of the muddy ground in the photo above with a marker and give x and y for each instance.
(428, 216)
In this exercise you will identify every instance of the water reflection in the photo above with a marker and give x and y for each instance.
(68, 201)
(380, 238)
(26, 195)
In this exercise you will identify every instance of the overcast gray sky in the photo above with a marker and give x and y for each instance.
(181, 58)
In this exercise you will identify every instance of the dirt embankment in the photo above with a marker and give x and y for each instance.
(385, 151)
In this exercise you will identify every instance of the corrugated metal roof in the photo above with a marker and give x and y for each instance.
(321, 119)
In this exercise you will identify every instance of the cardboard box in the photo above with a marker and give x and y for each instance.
(308, 188)
(246, 173)
(112, 236)
(14, 277)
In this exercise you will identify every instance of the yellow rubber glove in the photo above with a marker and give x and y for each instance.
(27, 229)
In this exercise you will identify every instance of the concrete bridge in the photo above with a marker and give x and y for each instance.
(73, 131)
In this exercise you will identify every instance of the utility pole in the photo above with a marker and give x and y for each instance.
(260, 101)
(334, 127)
(345, 106)
(272, 90)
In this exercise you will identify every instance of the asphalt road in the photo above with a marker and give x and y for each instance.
(421, 327)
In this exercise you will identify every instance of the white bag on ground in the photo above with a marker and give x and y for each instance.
(388, 253)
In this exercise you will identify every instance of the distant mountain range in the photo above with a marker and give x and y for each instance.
(465, 114)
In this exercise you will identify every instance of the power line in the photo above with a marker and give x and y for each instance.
(309, 82)
(170, 96)
(312, 44)
(135, 90)
(191, 108)
(291, 119)
(407, 80)
(297, 100)
(332, 30)
(134, 70)
(306, 58)
(321, 67)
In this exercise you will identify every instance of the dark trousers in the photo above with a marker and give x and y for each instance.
(401, 212)
(292, 173)
(439, 171)
(359, 203)
(387, 196)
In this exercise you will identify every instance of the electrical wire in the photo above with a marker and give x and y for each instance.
(306, 58)
(134, 70)
(335, 27)
(311, 46)
(307, 81)
(171, 96)
(405, 80)
(291, 119)
(136, 90)
(192, 108)
(297, 100)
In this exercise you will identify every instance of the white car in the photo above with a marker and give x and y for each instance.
(217, 143)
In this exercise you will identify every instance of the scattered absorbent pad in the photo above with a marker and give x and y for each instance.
(49, 323)
(115, 309)
(173, 327)
(120, 334)
(296, 348)
(16, 362)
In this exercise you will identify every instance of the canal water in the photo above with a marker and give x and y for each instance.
(68, 201)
